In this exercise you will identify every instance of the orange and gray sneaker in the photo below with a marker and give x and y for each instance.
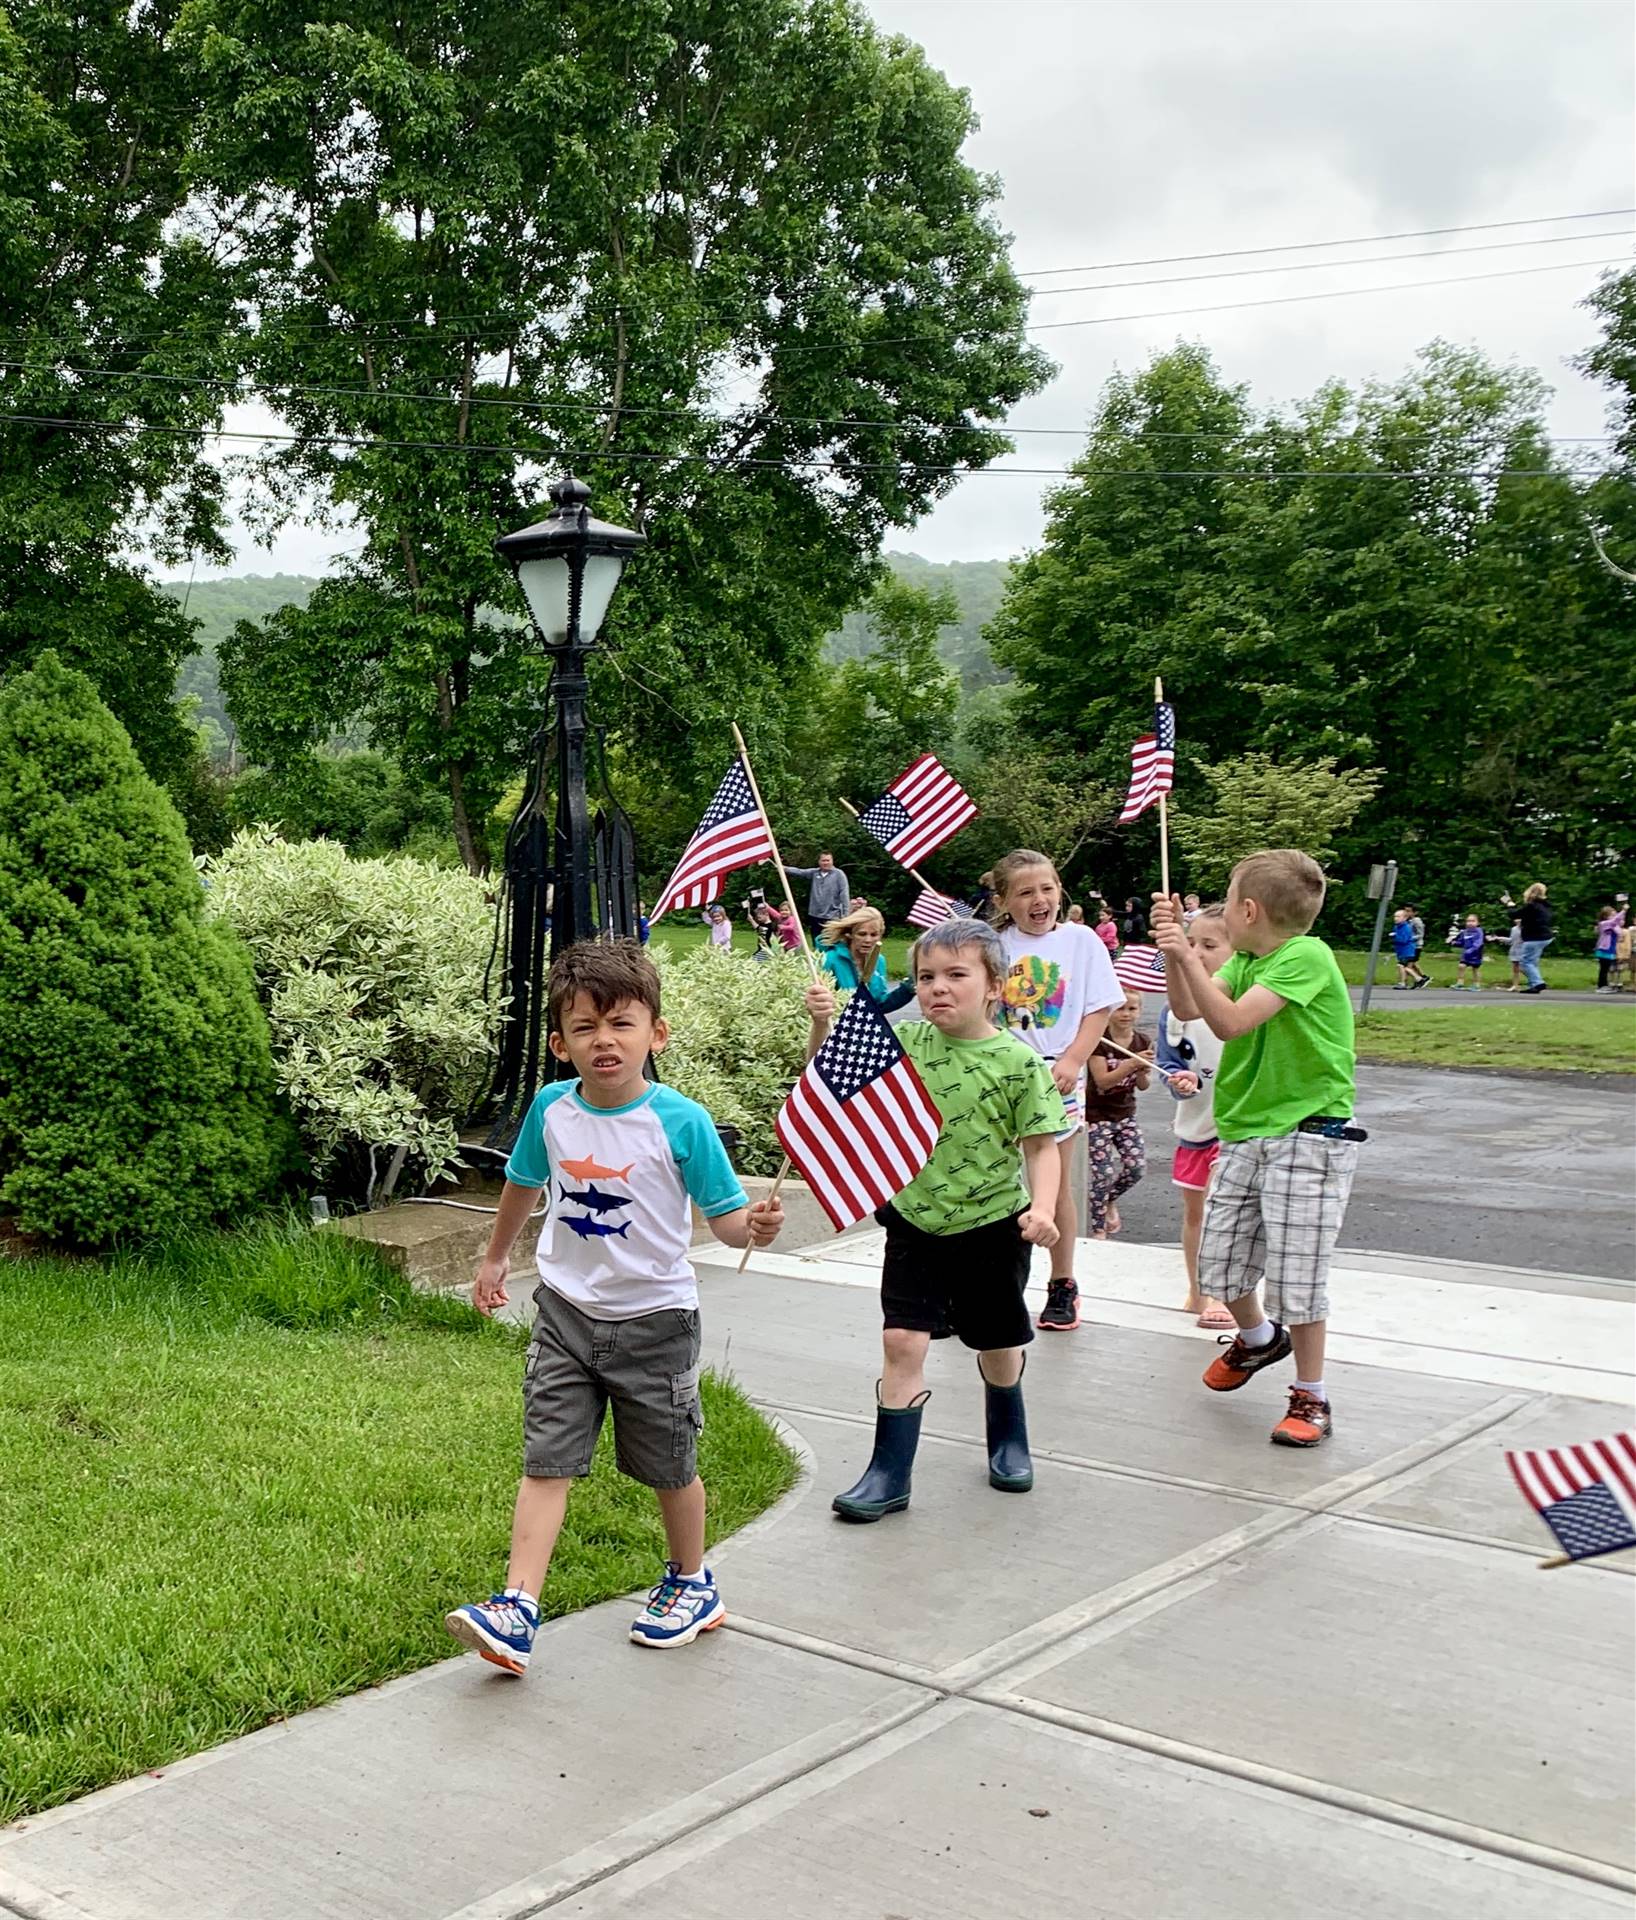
(1229, 1370)
(1307, 1422)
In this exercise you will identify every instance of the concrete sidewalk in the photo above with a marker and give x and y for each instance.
(1189, 1676)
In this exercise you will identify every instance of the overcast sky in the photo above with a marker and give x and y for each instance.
(1125, 130)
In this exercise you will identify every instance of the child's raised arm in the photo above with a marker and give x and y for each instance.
(1193, 993)
(821, 1009)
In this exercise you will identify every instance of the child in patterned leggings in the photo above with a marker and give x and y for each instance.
(1118, 1156)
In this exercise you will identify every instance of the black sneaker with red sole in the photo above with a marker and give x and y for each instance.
(1060, 1314)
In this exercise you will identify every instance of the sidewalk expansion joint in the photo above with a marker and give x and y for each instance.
(1344, 1799)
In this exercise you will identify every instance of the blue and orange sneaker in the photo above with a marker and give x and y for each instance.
(678, 1610)
(501, 1628)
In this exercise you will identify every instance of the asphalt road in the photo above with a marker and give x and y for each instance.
(1517, 1171)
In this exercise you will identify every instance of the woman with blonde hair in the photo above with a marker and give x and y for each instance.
(849, 951)
(1537, 925)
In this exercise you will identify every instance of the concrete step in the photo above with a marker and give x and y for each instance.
(437, 1242)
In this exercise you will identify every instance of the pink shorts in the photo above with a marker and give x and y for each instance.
(1193, 1166)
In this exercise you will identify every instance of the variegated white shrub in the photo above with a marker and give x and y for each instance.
(371, 972)
(738, 1039)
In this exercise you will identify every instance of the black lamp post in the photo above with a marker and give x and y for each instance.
(568, 566)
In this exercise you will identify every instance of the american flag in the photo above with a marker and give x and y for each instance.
(922, 808)
(1585, 1495)
(858, 1123)
(733, 833)
(1152, 764)
(1141, 968)
(931, 909)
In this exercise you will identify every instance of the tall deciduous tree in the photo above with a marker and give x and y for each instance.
(723, 256)
(117, 345)
(1256, 801)
(1402, 577)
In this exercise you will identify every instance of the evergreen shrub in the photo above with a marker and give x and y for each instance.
(137, 1096)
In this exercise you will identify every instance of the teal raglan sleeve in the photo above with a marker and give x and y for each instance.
(702, 1160)
(530, 1162)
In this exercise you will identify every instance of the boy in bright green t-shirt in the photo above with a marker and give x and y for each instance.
(959, 1235)
(1284, 1096)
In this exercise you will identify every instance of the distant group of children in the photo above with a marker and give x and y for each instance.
(1532, 929)
(1025, 1039)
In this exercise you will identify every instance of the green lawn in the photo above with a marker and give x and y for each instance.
(1520, 1037)
(1573, 972)
(253, 1475)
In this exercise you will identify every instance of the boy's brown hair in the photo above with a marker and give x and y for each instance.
(607, 972)
(1286, 884)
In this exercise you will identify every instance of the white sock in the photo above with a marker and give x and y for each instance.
(693, 1579)
(1261, 1336)
(1315, 1388)
(523, 1598)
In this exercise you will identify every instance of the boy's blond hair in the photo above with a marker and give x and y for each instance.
(1286, 884)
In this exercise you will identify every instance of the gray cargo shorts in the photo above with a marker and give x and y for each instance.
(648, 1367)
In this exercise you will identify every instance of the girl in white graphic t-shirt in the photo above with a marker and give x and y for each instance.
(1058, 994)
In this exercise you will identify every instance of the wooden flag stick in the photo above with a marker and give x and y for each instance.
(1164, 818)
(912, 873)
(800, 927)
(772, 1194)
(778, 858)
(1167, 1073)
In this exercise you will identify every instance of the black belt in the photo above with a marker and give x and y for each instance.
(1332, 1127)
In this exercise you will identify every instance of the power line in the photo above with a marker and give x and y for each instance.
(1336, 266)
(798, 463)
(384, 394)
(413, 332)
(1333, 293)
(1231, 306)
(1310, 246)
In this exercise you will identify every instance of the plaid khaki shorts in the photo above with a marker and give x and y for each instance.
(1274, 1214)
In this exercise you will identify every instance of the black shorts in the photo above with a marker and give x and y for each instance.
(966, 1284)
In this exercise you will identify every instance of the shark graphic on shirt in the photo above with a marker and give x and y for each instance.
(594, 1199)
(590, 1168)
(588, 1229)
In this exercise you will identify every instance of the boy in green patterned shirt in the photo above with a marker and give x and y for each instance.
(958, 1236)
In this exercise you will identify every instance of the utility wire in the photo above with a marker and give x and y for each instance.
(463, 326)
(1333, 293)
(1338, 266)
(233, 389)
(1310, 246)
(797, 463)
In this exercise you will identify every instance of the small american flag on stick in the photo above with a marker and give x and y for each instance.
(1141, 969)
(924, 806)
(733, 833)
(1585, 1495)
(859, 1123)
(931, 909)
(1152, 763)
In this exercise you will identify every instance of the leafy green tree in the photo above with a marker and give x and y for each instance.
(722, 256)
(1131, 580)
(899, 701)
(118, 330)
(1402, 577)
(978, 587)
(1256, 801)
(136, 1084)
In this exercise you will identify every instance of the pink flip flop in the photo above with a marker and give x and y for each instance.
(1216, 1320)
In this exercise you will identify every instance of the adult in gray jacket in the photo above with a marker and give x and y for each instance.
(830, 898)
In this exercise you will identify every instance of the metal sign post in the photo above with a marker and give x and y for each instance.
(1382, 885)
